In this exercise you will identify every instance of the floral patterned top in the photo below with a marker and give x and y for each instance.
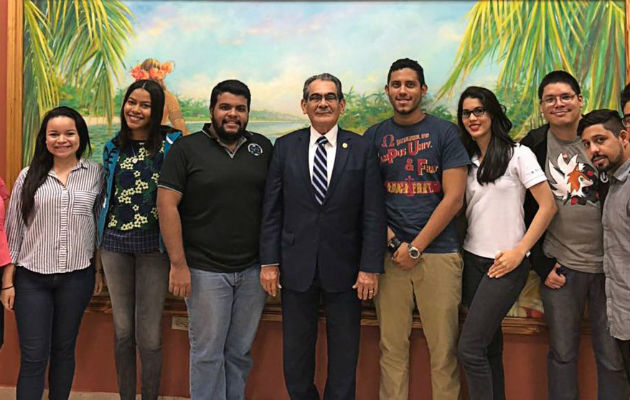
(133, 217)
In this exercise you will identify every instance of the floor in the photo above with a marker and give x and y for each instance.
(9, 394)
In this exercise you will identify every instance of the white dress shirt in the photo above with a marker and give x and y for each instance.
(331, 149)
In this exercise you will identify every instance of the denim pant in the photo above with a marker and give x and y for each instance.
(223, 310)
(481, 340)
(48, 310)
(564, 308)
(137, 285)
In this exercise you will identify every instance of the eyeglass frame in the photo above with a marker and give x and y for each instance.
(563, 98)
(478, 112)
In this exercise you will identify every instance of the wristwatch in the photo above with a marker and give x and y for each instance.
(393, 244)
(413, 251)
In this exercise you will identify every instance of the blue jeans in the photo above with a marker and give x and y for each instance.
(48, 311)
(564, 308)
(137, 285)
(223, 310)
(481, 341)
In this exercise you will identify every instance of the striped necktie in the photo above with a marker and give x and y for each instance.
(320, 174)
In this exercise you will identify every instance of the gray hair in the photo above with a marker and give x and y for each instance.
(322, 77)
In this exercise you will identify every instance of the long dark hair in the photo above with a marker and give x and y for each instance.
(43, 160)
(501, 145)
(155, 139)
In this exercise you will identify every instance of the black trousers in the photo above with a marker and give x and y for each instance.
(624, 346)
(299, 326)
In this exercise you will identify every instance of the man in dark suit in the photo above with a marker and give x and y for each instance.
(322, 237)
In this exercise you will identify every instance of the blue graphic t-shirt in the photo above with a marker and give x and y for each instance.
(412, 159)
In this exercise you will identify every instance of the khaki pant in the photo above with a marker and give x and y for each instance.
(436, 284)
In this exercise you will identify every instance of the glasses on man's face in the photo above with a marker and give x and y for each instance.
(563, 98)
(317, 98)
(477, 112)
(626, 120)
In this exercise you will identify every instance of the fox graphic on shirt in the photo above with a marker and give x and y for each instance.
(573, 181)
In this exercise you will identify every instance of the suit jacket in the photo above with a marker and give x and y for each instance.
(347, 233)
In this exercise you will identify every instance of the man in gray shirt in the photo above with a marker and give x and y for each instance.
(569, 257)
(606, 142)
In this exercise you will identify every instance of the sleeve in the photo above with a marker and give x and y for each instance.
(529, 171)
(14, 223)
(5, 255)
(97, 208)
(174, 172)
(272, 213)
(454, 154)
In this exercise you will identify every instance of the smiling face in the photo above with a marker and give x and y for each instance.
(322, 105)
(405, 91)
(62, 138)
(478, 127)
(229, 116)
(606, 151)
(560, 105)
(137, 111)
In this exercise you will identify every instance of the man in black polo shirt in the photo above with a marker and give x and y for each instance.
(209, 201)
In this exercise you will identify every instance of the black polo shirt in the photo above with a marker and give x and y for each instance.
(222, 196)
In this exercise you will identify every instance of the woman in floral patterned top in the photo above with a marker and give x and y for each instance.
(135, 264)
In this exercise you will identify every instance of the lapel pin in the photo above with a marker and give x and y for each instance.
(345, 145)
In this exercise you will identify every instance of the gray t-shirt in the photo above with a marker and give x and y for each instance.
(574, 237)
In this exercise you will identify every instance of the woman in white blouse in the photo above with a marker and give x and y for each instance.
(51, 228)
(496, 244)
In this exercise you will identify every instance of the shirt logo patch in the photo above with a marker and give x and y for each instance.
(255, 149)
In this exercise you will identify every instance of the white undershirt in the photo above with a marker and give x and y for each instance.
(495, 210)
(330, 147)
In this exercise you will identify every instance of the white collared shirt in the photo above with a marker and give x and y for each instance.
(331, 149)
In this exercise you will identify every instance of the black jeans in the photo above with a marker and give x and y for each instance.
(564, 309)
(481, 342)
(48, 311)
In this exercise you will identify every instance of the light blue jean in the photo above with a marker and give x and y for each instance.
(223, 311)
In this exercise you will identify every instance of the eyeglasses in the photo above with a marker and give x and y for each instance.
(563, 98)
(317, 98)
(477, 112)
(626, 120)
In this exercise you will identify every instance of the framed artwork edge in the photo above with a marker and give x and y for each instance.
(174, 306)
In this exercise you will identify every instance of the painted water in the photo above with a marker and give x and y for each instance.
(100, 134)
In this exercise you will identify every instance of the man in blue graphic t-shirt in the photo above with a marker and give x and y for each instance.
(424, 167)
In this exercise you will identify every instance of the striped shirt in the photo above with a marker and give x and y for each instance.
(61, 233)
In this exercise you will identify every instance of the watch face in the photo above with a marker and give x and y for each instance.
(413, 252)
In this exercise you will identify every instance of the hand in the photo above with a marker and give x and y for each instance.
(99, 279)
(554, 279)
(366, 285)
(7, 296)
(402, 259)
(505, 262)
(270, 279)
(179, 280)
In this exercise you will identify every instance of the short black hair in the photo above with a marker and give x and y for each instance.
(625, 96)
(610, 120)
(558, 77)
(233, 86)
(407, 63)
(325, 76)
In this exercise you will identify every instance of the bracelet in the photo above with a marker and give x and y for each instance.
(8, 287)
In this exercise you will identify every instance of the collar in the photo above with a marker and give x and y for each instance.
(621, 174)
(206, 129)
(82, 163)
(331, 135)
(475, 160)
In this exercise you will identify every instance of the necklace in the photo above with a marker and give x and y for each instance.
(135, 156)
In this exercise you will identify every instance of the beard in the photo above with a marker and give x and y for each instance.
(226, 137)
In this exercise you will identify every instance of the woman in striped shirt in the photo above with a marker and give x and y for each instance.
(51, 228)
(135, 263)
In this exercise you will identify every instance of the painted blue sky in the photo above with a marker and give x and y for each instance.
(275, 46)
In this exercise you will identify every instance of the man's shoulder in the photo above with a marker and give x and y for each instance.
(378, 127)
(294, 135)
(535, 136)
(438, 124)
(260, 139)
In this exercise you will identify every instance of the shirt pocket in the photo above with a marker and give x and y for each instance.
(83, 202)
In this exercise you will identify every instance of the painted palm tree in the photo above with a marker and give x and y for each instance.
(76, 43)
(531, 38)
